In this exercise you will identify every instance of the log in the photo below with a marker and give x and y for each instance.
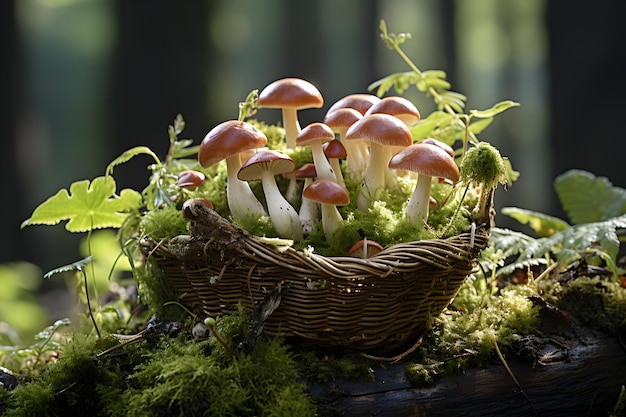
(585, 382)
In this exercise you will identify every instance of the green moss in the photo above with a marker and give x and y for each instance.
(466, 336)
(598, 303)
(155, 291)
(322, 368)
(70, 386)
(163, 223)
(483, 165)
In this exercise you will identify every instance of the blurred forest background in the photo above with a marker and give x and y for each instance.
(84, 80)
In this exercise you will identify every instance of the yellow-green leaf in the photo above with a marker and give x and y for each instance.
(87, 206)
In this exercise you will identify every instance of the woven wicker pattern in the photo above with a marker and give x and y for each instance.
(375, 304)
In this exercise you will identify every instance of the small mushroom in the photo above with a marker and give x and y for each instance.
(398, 107)
(309, 210)
(340, 121)
(225, 142)
(329, 194)
(359, 102)
(381, 130)
(364, 249)
(315, 135)
(190, 179)
(334, 151)
(427, 161)
(290, 95)
(264, 166)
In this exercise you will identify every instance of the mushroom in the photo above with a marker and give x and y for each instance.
(364, 249)
(380, 130)
(358, 102)
(431, 141)
(190, 179)
(398, 107)
(226, 141)
(340, 121)
(427, 161)
(402, 109)
(315, 135)
(290, 95)
(329, 194)
(309, 209)
(334, 151)
(264, 166)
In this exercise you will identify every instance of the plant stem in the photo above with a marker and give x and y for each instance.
(99, 336)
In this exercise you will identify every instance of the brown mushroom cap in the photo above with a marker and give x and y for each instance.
(326, 192)
(358, 102)
(341, 119)
(382, 129)
(266, 160)
(306, 171)
(365, 248)
(290, 92)
(227, 139)
(428, 160)
(431, 141)
(190, 178)
(398, 107)
(334, 149)
(315, 132)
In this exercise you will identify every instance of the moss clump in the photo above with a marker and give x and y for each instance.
(163, 223)
(598, 303)
(72, 386)
(483, 165)
(168, 377)
(467, 336)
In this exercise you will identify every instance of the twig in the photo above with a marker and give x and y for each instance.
(512, 375)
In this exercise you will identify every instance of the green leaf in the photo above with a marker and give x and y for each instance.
(542, 224)
(425, 127)
(74, 266)
(129, 154)
(494, 110)
(87, 206)
(587, 198)
(479, 125)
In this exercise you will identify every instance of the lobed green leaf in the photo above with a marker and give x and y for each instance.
(87, 206)
(542, 224)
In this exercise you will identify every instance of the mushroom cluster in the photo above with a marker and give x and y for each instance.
(363, 147)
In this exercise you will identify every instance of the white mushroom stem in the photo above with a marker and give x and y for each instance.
(355, 161)
(291, 126)
(374, 175)
(284, 217)
(309, 211)
(322, 166)
(334, 163)
(417, 207)
(241, 200)
(331, 219)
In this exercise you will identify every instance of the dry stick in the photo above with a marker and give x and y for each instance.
(512, 375)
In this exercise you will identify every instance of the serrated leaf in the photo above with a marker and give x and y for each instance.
(74, 266)
(542, 224)
(494, 110)
(587, 198)
(87, 206)
(129, 154)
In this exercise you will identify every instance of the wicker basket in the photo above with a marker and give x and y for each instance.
(378, 304)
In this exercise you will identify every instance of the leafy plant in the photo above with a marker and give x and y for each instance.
(595, 206)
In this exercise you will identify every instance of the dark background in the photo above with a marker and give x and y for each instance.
(198, 58)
